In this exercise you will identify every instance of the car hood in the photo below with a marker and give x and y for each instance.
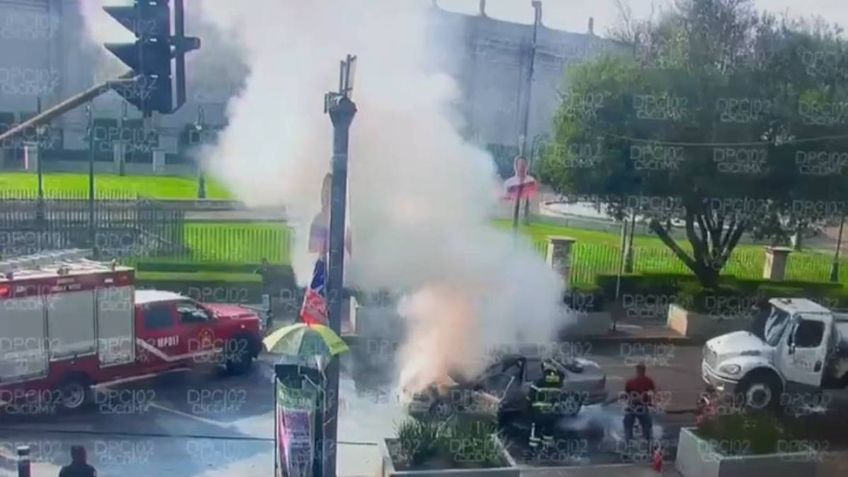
(737, 342)
(232, 312)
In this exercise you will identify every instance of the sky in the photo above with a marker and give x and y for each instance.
(573, 15)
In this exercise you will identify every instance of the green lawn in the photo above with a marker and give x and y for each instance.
(158, 187)
(599, 252)
(239, 242)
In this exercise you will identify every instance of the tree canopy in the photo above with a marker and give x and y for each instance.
(726, 119)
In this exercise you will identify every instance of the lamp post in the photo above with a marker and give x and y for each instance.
(40, 132)
(120, 146)
(834, 268)
(199, 127)
(525, 124)
(342, 111)
(91, 231)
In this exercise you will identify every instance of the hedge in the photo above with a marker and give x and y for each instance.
(166, 266)
(732, 294)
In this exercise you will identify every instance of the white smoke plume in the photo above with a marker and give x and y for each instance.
(421, 198)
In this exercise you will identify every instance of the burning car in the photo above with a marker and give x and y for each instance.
(502, 391)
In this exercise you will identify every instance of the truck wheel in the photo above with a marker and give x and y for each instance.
(74, 393)
(240, 354)
(760, 393)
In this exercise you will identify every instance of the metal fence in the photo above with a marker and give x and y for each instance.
(68, 194)
(590, 259)
(114, 228)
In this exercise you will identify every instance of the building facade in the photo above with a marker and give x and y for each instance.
(48, 57)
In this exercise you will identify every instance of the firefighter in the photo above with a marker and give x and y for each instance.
(544, 394)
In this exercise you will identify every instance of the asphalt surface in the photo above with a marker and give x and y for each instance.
(205, 424)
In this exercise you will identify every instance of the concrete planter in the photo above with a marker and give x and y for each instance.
(388, 467)
(704, 326)
(697, 457)
(588, 324)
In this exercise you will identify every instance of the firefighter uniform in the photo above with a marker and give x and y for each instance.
(544, 395)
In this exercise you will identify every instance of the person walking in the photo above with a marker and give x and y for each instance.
(78, 467)
(638, 392)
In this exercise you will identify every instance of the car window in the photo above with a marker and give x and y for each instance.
(190, 312)
(809, 334)
(533, 371)
(157, 316)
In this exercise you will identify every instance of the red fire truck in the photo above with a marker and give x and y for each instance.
(69, 324)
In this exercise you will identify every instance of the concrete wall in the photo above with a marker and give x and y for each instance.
(493, 64)
(46, 54)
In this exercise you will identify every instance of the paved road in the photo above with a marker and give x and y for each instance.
(207, 425)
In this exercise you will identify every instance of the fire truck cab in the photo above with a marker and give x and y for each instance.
(69, 324)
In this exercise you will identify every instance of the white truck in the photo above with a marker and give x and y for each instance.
(795, 350)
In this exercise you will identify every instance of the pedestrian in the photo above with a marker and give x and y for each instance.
(544, 394)
(78, 466)
(266, 273)
(638, 392)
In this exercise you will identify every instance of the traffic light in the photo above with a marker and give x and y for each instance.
(151, 54)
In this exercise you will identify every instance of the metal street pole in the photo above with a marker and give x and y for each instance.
(628, 257)
(537, 21)
(342, 111)
(201, 177)
(834, 268)
(38, 138)
(121, 145)
(91, 231)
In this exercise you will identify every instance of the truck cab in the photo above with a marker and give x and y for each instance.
(794, 348)
(174, 331)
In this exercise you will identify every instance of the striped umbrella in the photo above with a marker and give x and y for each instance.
(305, 340)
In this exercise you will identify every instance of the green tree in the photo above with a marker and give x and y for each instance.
(723, 119)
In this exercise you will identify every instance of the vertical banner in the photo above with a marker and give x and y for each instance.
(295, 437)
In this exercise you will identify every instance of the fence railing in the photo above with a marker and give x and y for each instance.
(237, 243)
(69, 194)
(112, 228)
(589, 260)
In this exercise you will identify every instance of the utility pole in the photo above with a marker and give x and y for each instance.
(834, 268)
(525, 125)
(39, 131)
(342, 110)
(120, 146)
(91, 230)
(199, 126)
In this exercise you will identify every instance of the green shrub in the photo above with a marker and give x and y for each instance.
(731, 293)
(419, 441)
(743, 433)
(585, 298)
(719, 301)
(458, 443)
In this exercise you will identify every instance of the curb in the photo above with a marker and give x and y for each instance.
(604, 339)
(648, 339)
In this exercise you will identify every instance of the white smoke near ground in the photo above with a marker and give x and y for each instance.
(421, 198)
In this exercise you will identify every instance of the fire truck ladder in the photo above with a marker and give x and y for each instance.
(76, 258)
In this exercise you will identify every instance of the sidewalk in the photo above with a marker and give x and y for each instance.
(613, 470)
(644, 331)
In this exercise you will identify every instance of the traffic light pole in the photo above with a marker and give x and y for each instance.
(342, 111)
(69, 104)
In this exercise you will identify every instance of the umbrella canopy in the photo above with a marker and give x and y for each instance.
(305, 340)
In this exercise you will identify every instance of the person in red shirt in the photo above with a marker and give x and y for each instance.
(638, 392)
